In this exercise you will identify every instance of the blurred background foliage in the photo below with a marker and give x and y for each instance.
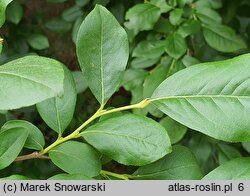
(165, 36)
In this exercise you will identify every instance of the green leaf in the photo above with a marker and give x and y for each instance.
(149, 49)
(154, 79)
(214, 4)
(58, 25)
(3, 5)
(129, 139)
(175, 16)
(35, 138)
(176, 131)
(38, 41)
(56, 1)
(178, 165)
(80, 81)
(29, 80)
(58, 112)
(246, 146)
(14, 12)
(189, 60)
(132, 78)
(175, 45)
(72, 13)
(142, 17)
(162, 4)
(138, 63)
(227, 152)
(70, 177)
(16, 177)
(208, 16)
(1, 45)
(76, 28)
(12, 142)
(82, 2)
(102, 58)
(203, 97)
(76, 158)
(189, 28)
(223, 38)
(236, 169)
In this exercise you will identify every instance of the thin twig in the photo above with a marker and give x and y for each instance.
(34, 155)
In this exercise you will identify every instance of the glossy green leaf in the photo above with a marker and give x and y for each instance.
(14, 12)
(12, 142)
(223, 38)
(3, 5)
(132, 78)
(175, 45)
(70, 177)
(208, 16)
(38, 41)
(129, 139)
(176, 131)
(102, 58)
(189, 28)
(149, 49)
(203, 97)
(80, 81)
(236, 169)
(58, 112)
(76, 28)
(142, 17)
(178, 165)
(175, 16)
(35, 138)
(29, 80)
(214, 4)
(76, 158)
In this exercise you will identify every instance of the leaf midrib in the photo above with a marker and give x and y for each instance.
(200, 96)
(29, 79)
(122, 135)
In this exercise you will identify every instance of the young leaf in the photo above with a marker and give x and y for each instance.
(58, 112)
(149, 49)
(12, 142)
(189, 28)
(29, 80)
(129, 139)
(80, 81)
(14, 12)
(142, 17)
(175, 45)
(35, 138)
(208, 16)
(203, 97)
(162, 4)
(38, 41)
(176, 131)
(76, 158)
(178, 165)
(3, 5)
(223, 38)
(175, 16)
(70, 177)
(236, 169)
(102, 58)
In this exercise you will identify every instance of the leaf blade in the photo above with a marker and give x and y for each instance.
(96, 46)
